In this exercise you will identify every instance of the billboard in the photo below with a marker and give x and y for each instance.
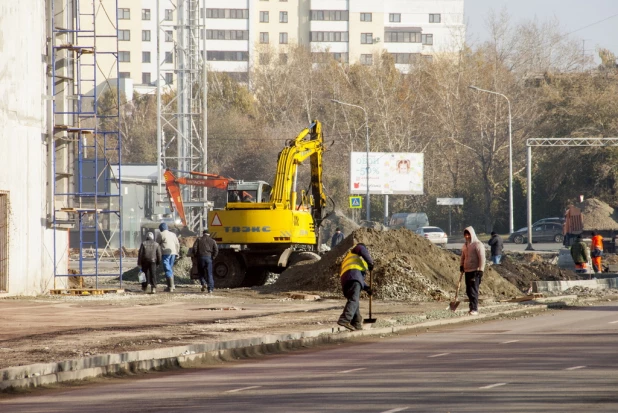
(396, 173)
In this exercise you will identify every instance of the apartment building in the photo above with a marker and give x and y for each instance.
(238, 32)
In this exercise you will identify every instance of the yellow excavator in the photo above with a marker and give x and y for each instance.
(265, 229)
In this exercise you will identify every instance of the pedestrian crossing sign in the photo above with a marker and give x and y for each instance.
(356, 202)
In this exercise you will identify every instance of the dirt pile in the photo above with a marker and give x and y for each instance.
(332, 221)
(598, 215)
(407, 267)
(523, 274)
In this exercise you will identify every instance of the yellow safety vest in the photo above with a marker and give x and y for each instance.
(353, 262)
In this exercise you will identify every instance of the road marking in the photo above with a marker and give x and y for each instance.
(439, 355)
(509, 342)
(350, 371)
(491, 386)
(400, 409)
(576, 368)
(613, 322)
(244, 388)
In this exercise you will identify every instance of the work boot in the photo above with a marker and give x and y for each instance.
(144, 287)
(203, 288)
(169, 285)
(153, 290)
(357, 326)
(172, 287)
(346, 324)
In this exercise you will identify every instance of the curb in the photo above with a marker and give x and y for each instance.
(41, 374)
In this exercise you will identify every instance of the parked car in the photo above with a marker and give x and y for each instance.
(433, 234)
(554, 220)
(549, 232)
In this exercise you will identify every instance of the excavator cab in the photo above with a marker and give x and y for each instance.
(240, 192)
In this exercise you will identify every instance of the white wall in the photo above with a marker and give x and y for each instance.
(22, 139)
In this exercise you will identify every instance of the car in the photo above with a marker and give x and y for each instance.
(548, 232)
(553, 220)
(433, 234)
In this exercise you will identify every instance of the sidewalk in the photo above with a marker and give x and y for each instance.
(56, 339)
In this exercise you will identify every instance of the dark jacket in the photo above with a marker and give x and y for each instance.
(357, 275)
(149, 251)
(205, 247)
(579, 252)
(336, 239)
(496, 244)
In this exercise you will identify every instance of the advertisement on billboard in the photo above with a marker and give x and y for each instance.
(396, 173)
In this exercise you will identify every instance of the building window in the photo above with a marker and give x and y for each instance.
(263, 17)
(366, 59)
(264, 58)
(169, 36)
(169, 15)
(341, 57)
(283, 17)
(124, 56)
(227, 13)
(402, 37)
(145, 78)
(124, 35)
(169, 78)
(435, 18)
(394, 17)
(124, 14)
(405, 58)
(213, 55)
(124, 75)
(227, 34)
(283, 57)
(283, 38)
(264, 37)
(427, 39)
(365, 17)
(169, 57)
(366, 38)
(330, 15)
(329, 36)
(145, 14)
(145, 35)
(145, 57)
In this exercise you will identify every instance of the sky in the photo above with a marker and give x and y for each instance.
(574, 16)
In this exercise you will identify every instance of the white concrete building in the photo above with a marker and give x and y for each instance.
(237, 30)
(26, 241)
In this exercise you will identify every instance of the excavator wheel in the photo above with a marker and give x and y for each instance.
(297, 257)
(228, 270)
(255, 277)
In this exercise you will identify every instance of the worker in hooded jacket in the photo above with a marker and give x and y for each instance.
(472, 264)
(354, 267)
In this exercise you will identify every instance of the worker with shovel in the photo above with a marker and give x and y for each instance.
(354, 267)
(472, 264)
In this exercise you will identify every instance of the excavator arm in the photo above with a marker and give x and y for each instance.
(308, 144)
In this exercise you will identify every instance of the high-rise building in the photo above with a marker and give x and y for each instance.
(237, 30)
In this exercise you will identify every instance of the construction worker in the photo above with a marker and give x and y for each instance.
(354, 267)
(497, 246)
(169, 247)
(579, 253)
(337, 237)
(596, 252)
(205, 249)
(148, 258)
(472, 263)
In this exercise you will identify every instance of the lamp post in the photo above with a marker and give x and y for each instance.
(511, 229)
(367, 148)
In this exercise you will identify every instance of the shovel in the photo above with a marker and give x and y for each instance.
(454, 304)
(370, 320)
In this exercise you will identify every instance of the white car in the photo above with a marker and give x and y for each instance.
(433, 234)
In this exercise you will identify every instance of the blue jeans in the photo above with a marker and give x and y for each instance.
(496, 259)
(205, 269)
(168, 263)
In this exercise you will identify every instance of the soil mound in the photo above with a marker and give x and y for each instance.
(407, 267)
(523, 274)
(598, 215)
(332, 221)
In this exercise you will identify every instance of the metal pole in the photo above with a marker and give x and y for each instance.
(529, 198)
(385, 209)
(367, 200)
(511, 224)
(204, 113)
(159, 135)
(450, 208)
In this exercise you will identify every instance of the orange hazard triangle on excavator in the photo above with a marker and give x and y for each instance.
(216, 222)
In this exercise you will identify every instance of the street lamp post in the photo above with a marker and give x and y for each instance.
(511, 229)
(367, 148)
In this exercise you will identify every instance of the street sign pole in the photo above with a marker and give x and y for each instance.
(450, 233)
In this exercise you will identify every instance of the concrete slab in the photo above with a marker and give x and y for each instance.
(553, 286)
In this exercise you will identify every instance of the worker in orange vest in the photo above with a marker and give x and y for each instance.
(596, 252)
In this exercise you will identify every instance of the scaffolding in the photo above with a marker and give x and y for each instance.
(185, 116)
(84, 141)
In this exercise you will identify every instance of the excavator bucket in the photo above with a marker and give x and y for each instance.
(173, 192)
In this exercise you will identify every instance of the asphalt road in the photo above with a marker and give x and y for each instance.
(562, 361)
